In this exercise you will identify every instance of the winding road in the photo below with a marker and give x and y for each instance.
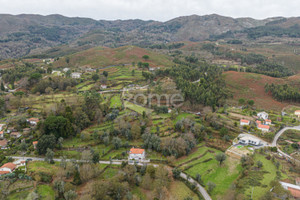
(201, 189)
(278, 134)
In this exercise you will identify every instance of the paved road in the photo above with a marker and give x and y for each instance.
(200, 188)
(279, 133)
(274, 143)
(119, 162)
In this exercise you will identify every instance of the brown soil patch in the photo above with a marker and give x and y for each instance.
(251, 86)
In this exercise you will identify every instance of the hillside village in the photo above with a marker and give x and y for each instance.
(216, 119)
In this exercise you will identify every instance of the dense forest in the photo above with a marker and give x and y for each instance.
(200, 83)
(283, 92)
(259, 63)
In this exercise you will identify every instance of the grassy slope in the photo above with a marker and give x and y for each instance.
(100, 57)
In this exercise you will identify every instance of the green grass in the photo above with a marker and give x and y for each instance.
(41, 166)
(200, 150)
(18, 195)
(46, 192)
(110, 172)
(76, 142)
(115, 102)
(223, 176)
(136, 108)
(180, 191)
(270, 175)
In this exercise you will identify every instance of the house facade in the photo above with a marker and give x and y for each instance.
(76, 75)
(8, 167)
(1, 134)
(137, 154)
(263, 128)
(247, 140)
(15, 135)
(244, 122)
(297, 113)
(3, 144)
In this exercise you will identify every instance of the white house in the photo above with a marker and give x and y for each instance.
(66, 69)
(244, 122)
(137, 154)
(76, 75)
(57, 73)
(8, 167)
(263, 128)
(33, 121)
(103, 86)
(248, 140)
(263, 115)
(1, 134)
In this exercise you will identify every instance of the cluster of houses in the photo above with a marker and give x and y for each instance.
(14, 133)
(262, 123)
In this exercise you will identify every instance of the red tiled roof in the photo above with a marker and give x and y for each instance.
(258, 122)
(268, 120)
(297, 111)
(34, 142)
(295, 193)
(263, 126)
(34, 119)
(1, 132)
(244, 120)
(3, 142)
(136, 151)
(11, 166)
(4, 172)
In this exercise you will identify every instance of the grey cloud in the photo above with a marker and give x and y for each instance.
(161, 10)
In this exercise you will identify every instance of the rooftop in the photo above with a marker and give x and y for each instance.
(263, 126)
(136, 151)
(11, 166)
(244, 120)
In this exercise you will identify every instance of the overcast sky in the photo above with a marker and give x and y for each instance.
(161, 10)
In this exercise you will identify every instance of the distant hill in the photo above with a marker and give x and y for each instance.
(99, 57)
(23, 35)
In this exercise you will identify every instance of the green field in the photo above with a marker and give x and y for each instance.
(46, 192)
(115, 102)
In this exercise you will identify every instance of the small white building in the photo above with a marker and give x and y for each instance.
(263, 128)
(57, 73)
(248, 140)
(76, 75)
(137, 154)
(263, 115)
(103, 86)
(33, 121)
(66, 69)
(244, 122)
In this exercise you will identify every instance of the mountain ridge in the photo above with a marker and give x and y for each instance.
(29, 34)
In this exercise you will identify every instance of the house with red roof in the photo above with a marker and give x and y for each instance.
(268, 121)
(3, 144)
(244, 122)
(33, 121)
(137, 154)
(294, 189)
(8, 167)
(263, 128)
(34, 144)
(1, 134)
